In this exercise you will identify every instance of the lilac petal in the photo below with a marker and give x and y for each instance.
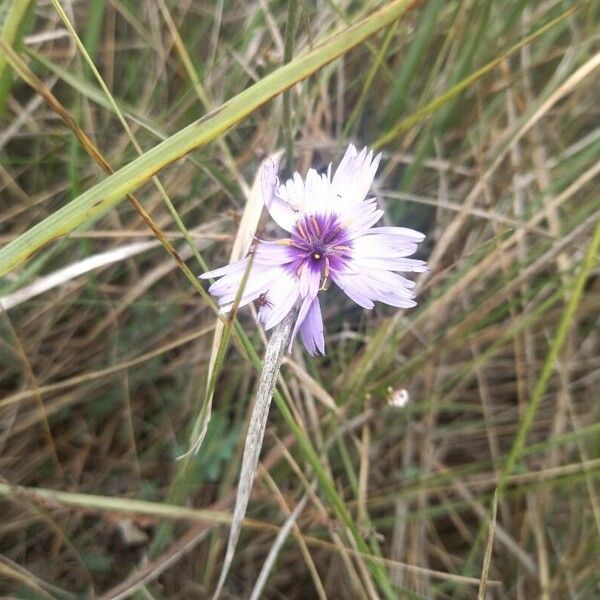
(355, 287)
(344, 168)
(260, 281)
(363, 221)
(385, 248)
(235, 267)
(280, 298)
(404, 265)
(350, 213)
(319, 196)
(355, 174)
(365, 286)
(363, 178)
(372, 247)
(309, 281)
(389, 287)
(273, 253)
(396, 301)
(410, 234)
(306, 302)
(311, 329)
(382, 246)
(282, 212)
(230, 281)
(293, 194)
(312, 183)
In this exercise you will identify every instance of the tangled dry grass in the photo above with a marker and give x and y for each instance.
(104, 344)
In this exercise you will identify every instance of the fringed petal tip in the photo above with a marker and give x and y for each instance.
(282, 201)
(354, 175)
(312, 330)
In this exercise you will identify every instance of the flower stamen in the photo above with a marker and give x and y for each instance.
(302, 233)
(315, 224)
(326, 275)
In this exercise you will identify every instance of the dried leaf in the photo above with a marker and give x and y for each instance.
(279, 342)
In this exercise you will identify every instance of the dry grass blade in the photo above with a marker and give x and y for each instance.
(8, 573)
(567, 87)
(62, 276)
(315, 388)
(14, 569)
(203, 418)
(439, 102)
(153, 569)
(212, 516)
(284, 507)
(111, 190)
(121, 117)
(487, 558)
(89, 147)
(278, 344)
(241, 244)
(401, 435)
(566, 321)
(93, 375)
(282, 536)
(201, 92)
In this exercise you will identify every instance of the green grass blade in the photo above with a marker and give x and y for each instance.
(590, 260)
(465, 83)
(412, 61)
(113, 189)
(290, 35)
(12, 28)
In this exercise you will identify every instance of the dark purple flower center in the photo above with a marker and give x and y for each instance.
(321, 243)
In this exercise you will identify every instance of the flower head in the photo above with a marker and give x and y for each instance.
(331, 238)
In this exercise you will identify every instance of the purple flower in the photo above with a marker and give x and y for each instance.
(329, 220)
